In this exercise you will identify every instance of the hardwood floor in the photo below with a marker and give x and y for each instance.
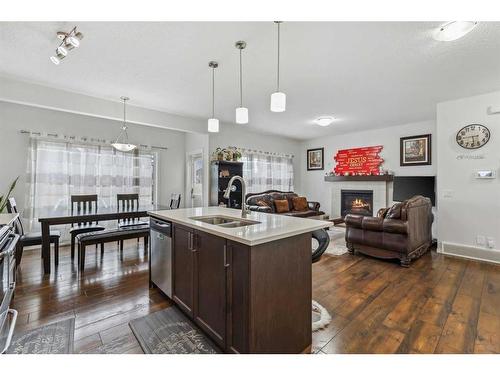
(111, 292)
(438, 305)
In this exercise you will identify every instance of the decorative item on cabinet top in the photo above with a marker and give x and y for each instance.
(226, 154)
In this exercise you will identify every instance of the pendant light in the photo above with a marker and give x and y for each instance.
(213, 123)
(241, 112)
(122, 143)
(278, 99)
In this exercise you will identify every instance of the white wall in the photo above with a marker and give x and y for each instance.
(316, 189)
(240, 136)
(470, 206)
(14, 146)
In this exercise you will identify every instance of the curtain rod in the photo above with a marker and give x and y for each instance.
(73, 138)
(241, 149)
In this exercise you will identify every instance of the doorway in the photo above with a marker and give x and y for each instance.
(195, 179)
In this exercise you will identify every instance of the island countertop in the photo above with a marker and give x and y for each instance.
(271, 227)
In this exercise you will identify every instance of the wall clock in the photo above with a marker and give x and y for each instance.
(473, 136)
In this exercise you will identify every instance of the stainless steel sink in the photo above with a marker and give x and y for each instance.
(239, 223)
(225, 221)
(214, 220)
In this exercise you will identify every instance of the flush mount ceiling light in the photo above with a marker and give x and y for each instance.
(68, 42)
(278, 98)
(241, 112)
(213, 123)
(122, 143)
(324, 120)
(454, 30)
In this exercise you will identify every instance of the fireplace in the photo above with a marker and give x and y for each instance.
(357, 202)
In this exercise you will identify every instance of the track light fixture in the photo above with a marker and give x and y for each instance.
(68, 42)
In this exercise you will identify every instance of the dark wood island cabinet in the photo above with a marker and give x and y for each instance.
(247, 299)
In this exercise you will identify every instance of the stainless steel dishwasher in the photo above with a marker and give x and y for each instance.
(160, 267)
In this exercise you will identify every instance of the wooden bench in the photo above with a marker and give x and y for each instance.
(109, 235)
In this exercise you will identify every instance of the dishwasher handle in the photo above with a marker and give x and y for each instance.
(163, 227)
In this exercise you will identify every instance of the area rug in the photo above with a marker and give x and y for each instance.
(320, 317)
(55, 338)
(337, 244)
(170, 332)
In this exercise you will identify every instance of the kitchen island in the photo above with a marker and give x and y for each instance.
(246, 282)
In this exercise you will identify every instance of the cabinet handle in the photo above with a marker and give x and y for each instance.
(190, 241)
(226, 265)
(194, 243)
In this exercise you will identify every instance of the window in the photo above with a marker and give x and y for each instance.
(57, 170)
(264, 171)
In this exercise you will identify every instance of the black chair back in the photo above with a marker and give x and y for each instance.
(12, 209)
(127, 202)
(84, 205)
(175, 201)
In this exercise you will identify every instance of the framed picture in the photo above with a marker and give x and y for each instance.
(415, 150)
(315, 159)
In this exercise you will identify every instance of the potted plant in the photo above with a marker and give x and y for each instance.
(218, 154)
(5, 198)
(236, 155)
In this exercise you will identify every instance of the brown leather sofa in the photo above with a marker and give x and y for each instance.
(264, 202)
(402, 231)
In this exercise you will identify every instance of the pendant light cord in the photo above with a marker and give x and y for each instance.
(241, 83)
(213, 92)
(124, 113)
(278, 78)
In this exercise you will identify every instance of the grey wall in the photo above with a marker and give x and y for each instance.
(14, 146)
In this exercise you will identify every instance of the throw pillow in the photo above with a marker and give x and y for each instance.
(281, 205)
(394, 212)
(262, 203)
(300, 204)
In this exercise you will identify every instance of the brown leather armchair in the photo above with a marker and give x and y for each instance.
(403, 231)
(264, 202)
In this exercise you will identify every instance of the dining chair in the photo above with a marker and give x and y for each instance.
(85, 204)
(175, 200)
(31, 238)
(129, 202)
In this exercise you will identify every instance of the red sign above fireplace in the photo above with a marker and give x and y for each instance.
(358, 161)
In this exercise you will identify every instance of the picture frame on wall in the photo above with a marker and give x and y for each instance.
(315, 159)
(415, 150)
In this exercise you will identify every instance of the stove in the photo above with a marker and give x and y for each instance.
(8, 316)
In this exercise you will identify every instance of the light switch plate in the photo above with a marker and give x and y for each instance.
(447, 193)
(490, 241)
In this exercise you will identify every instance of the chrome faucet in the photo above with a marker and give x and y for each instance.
(244, 210)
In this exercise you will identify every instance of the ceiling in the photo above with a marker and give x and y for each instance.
(366, 74)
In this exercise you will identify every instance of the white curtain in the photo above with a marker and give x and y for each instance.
(264, 171)
(57, 170)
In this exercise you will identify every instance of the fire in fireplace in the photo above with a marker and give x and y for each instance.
(358, 202)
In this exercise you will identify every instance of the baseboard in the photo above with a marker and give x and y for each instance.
(470, 252)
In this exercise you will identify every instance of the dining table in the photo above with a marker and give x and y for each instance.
(63, 215)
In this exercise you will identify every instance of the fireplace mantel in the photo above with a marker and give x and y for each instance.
(383, 177)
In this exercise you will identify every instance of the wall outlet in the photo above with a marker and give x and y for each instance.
(490, 242)
(481, 240)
